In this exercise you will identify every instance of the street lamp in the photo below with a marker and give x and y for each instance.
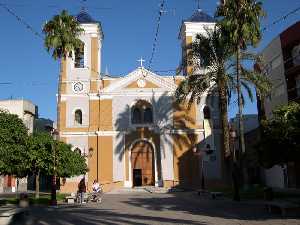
(235, 168)
(54, 134)
(201, 153)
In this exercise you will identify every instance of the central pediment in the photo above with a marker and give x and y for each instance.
(141, 79)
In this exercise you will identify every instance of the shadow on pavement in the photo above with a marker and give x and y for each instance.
(91, 216)
(175, 208)
(193, 204)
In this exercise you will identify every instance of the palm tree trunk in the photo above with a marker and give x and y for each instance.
(37, 184)
(224, 117)
(241, 123)
(223, 104)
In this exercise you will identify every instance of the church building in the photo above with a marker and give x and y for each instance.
(130, 128)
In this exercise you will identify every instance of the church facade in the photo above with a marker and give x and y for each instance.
(130, 128)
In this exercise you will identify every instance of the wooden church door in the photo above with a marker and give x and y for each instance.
(142, 164)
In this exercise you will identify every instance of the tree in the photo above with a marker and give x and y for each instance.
(39, 160)
(13, 135)
(212, 53)
(69, 163)
(42, 159)
(62, 39)
(62, 34)
(281, 137)
(240, 21)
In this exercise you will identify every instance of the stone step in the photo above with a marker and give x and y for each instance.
(147, 189)
(127, 190)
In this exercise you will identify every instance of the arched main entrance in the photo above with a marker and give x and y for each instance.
(142, 161)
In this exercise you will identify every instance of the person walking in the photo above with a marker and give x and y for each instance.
(81, 190)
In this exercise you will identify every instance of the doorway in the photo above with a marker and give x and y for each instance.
(142, 164)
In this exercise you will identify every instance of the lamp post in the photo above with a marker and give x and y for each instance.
(236, 195)
(201, 153)
(54, 134)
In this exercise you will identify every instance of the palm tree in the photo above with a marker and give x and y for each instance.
(213, 53)
(62, 35)
(240, 21)
(62, 39)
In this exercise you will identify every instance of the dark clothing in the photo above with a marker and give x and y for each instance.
(81, 186)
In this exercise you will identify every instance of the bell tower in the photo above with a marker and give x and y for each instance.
(196, 24)
(79, 79)
(80, 75)
(79, 82)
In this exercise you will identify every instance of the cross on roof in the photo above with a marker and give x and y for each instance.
(141, 61)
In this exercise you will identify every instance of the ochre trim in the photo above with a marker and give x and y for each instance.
(106, 114)
(186, 164)
(63, 69)
(148, 85)
(184, 117)
(74, 129)
(94, 86)
(62, 115)
(105, 159)
(94, 114)
(94, 57)
(92, 160)
(63, 88)
(189, 69)
(106, 83)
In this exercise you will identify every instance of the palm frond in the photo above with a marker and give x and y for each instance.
(248, 89)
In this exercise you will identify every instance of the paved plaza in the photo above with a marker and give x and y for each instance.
(147, 208)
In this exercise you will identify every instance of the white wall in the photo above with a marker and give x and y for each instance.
(23, 108)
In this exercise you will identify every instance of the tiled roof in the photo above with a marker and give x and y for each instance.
(200, 16)
(84, 17)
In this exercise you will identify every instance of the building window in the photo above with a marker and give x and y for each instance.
(79, 56)
(148, 116)
(206, 112)
(142, 113)
(78, 117)
(136, 115)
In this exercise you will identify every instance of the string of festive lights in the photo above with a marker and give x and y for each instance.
(280, 19)
(161, 11)
(22, 21)
(53, 6)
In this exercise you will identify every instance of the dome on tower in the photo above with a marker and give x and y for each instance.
(200, 17)
(84, 17)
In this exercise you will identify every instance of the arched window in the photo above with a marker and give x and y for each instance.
(136, 115)
(78, 116)
(206, 112)
(79, 56)
(148, 115)
(142, 112)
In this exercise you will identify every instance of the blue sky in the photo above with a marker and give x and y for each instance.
(129, 28)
